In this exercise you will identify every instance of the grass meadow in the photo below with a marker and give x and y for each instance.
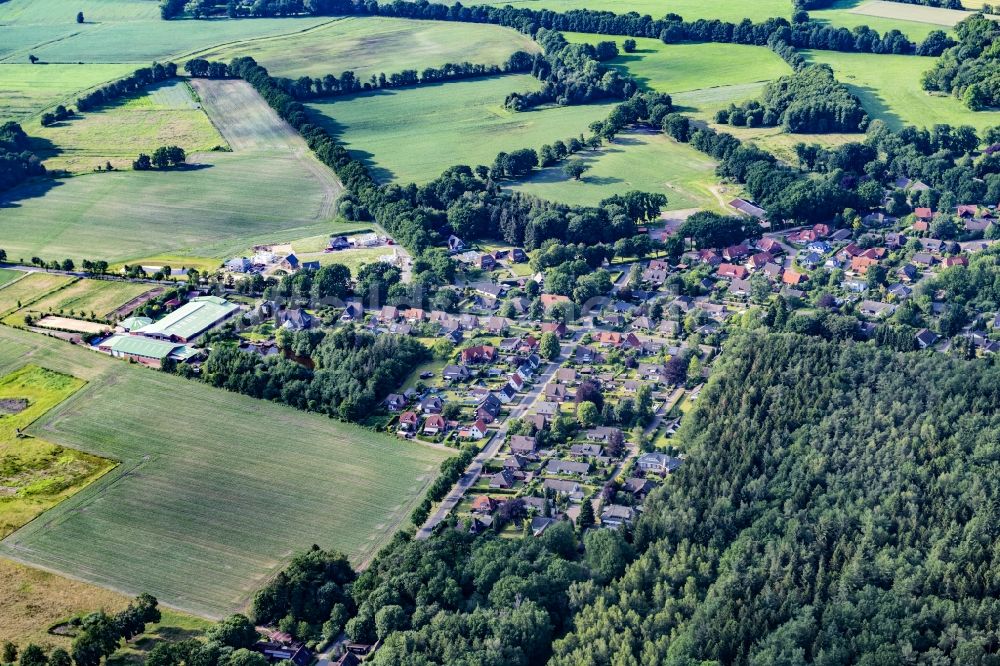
(914, 21)
(214, 491)
(201, 211)
(84, 298)
(676, 68)
(26, 90)
(36, 474)
(413, 134)
(635, 161)
(889, 88)
(163, 115)
(373, 45)
(29, 288)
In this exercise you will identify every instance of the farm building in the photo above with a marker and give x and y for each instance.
(191, 319)
(145, 351)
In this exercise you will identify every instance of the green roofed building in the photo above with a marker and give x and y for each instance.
(191, 319)
(134, 323)
(145, 350)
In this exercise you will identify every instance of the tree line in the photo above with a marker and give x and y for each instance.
(970, 70)
(17, 161)
(127, 85)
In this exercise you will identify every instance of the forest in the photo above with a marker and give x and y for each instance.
(971, 69)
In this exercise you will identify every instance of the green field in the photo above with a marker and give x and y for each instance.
(167, 114)
(127, 31)
(674, 68)
(373, 45)
(35, 474)
(29, 288)
(412, 135)
(214, 492)
(8, 275)
(889, 88)
(201, 211)
(27, 90)
(635, 161)
(725, 10)
(914, 21)
(100, 297)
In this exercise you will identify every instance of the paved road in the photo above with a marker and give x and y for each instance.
(475, 469)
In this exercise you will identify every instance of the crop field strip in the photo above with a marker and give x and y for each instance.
(413, 134)
(121, 216)
(214, 491)
(102, 297)
(374, 45)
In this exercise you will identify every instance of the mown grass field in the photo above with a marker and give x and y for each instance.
(214, 492)
(206, 210)
(726, 10)
(413, 134)
(889, 88)
(167, 114)
(26, 90)
(8, 275)
(35, 475)
(635, 161)
(29, 288)
(914, 21)
(85, 298)
(373, 45)
(675, 68)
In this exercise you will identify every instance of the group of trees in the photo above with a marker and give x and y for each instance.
(132, 83)
(354, 371)
(971, 69)
(17, 162)
(100, 634)
(59, 113)
(163, 157)
(808, 101)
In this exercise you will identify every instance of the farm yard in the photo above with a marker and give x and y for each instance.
(165, 114)
(187, 514)
(442, 125)
(374, 45)
(634, 161)
(889, 89)
(36, 475)
(122, 216)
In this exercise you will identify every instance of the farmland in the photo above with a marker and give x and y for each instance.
(889, 88)
(26, 90)
(674, 68)
(166, 114)
(914, 21)
(85, 297)
(120, 216)
(635, 161)
(35, 475)
(214, 490)
(446, 124)
(373, 45)
(29, 288)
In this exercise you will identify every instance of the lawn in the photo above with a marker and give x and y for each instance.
(373, 45)
(28, 289)
(96, 299)
(635, 161)
(27, 90)
(674, 68)
(197, 211)
(167, 114)
(215, 491)
(725, 10)
(914, 21)
(412, 135)
(889, 88)
(35, 475)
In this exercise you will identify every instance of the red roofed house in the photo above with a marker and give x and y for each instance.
(955, 261)
(861, 264)
(548, 300)
(793, 277)
(923, 213)
(479, 354)
(734, 252)
(408, 421)
(733, 271)
(559, 329)
(484, 504)
(770, 245)
(821, 230)
(968, 210)
(758, 261)
(434, 424)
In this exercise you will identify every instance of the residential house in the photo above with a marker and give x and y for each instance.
(876, 309)
(435, 424)
(479, 354)
(793, 278)
(564, 487)
(455, 373)
(559, 329)
(732, 271)
(507, 394)
(616, 515)
(489, 409)
(523, 445)
(431, 404)
(586, 450)
(409, 421)
(502, 480)
(925, 338)
(659, 463)
(395, 402)
(478, 430)
(602, 433)
(567, 467)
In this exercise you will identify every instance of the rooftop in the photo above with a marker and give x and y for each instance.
(191, 318)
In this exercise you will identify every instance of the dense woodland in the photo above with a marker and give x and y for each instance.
(970, 70)
(17, 162)
(808, 101)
